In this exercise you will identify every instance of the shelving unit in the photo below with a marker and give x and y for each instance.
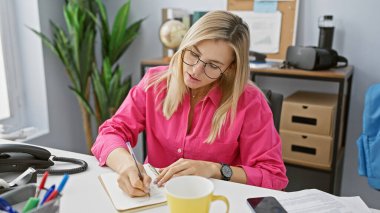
(301, 177)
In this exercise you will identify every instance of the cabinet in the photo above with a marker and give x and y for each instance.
(301, 177)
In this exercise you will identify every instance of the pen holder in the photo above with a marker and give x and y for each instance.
(18, 197)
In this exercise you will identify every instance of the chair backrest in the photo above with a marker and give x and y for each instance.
(275, 103)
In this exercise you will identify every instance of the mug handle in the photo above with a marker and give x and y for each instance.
(222, 198)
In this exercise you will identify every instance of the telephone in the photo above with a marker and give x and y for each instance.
(19, 157)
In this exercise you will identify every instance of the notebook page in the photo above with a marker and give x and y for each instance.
(122, 201)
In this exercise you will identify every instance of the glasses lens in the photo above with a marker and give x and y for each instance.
(190, 58)
(212, 71)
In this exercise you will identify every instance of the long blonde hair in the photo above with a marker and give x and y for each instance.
(215, 25)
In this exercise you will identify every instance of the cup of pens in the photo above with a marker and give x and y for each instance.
(32, 198)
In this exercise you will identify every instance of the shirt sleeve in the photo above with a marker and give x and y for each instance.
(260, 146)
(125, 125)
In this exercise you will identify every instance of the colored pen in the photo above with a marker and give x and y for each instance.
(31, 204)
(59, 189)
(134, 158)
(48, 192)
(42, 184)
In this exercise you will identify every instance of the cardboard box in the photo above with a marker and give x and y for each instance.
(309, 112)
(307, 149)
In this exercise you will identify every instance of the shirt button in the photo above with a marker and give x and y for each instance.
(179, 150)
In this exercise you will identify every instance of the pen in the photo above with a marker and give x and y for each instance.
(59, 189)
(31, 204)
(153, 169)
(6, 207)
(48, 192)
(134, 158)
(42, 184)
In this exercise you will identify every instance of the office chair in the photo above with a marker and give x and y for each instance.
(275, 104)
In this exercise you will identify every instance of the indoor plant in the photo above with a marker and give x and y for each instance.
(97, 84)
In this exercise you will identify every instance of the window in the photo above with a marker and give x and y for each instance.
(10, 116)
(23, 103)
(4, 100)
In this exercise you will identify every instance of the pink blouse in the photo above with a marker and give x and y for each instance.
(251, 143)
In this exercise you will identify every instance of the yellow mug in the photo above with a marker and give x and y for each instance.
(191, 194)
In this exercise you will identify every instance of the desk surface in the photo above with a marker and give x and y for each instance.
(84, 192)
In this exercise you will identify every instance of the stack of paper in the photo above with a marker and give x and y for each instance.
(313, 200)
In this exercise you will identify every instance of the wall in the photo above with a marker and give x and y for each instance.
(356, 38)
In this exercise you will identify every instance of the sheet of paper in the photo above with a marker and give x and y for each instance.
(122, 201)
(265, 6)
(316, 201)
(265, 30)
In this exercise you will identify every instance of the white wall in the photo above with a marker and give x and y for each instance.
(356, 38)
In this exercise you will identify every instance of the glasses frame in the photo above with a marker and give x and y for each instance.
(205, 63)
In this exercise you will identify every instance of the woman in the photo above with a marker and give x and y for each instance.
(202, 115)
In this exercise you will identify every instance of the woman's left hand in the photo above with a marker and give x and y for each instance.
(187, 167)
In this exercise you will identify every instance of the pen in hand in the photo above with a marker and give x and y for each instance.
(135, 160)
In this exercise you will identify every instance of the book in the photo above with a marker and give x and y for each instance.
(123, 202)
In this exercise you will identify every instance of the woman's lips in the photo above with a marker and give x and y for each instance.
(192, 78)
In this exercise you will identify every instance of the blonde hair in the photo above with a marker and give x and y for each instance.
(215, 25)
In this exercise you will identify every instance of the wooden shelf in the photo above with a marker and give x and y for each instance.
(341, 73)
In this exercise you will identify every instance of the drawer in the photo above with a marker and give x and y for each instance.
(307, 149)
(309, 112)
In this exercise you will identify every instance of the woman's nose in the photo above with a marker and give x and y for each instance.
(199, 67)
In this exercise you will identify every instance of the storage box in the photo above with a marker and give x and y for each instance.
(309, 112)
(307, 149)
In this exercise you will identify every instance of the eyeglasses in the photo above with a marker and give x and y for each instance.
(211, 70)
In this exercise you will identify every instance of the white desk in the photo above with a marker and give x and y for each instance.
(84, 193)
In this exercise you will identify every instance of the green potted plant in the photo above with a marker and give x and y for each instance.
(100, 81)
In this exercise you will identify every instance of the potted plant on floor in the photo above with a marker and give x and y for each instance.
(98, 84)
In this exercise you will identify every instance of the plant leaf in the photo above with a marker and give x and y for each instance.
(83, 100)
(130, 35)
(104, 29)
(100, 93)
(119, 25)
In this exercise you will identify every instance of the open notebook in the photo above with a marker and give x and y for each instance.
(122, 202)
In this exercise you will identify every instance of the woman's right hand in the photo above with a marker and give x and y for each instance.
(130, 182)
